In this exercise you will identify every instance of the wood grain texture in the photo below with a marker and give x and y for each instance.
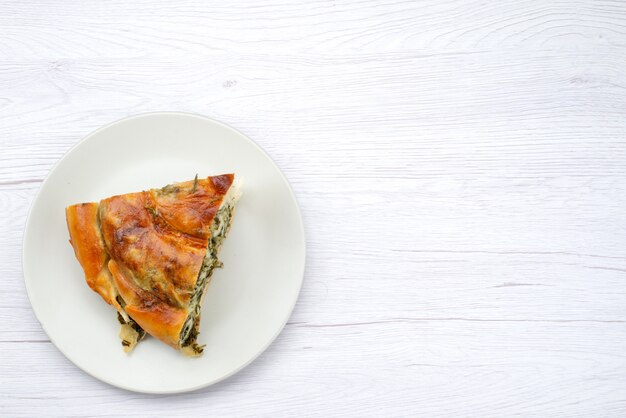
(460, 166)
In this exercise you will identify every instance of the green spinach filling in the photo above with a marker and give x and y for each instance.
(131, 333)
(219, 230)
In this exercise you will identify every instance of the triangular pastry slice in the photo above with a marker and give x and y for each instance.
(151, 255)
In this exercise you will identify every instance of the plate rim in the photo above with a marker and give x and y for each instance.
(86, 138)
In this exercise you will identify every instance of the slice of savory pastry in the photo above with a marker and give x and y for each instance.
(151, 255)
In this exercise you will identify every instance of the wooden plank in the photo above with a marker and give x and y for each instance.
(460, 168)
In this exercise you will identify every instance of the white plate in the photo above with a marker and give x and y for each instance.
(248, 301)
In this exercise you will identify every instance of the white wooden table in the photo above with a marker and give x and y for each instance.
(460, 166)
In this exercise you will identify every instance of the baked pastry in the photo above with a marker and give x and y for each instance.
(151, 255)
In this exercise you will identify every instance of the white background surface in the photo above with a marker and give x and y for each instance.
(460, 167)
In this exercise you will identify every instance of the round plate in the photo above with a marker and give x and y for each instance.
(248, 301)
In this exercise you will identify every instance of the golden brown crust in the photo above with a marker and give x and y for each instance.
(86, 239)
(162, 260)
(156, 317)
(156, 241)
(189, 207)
